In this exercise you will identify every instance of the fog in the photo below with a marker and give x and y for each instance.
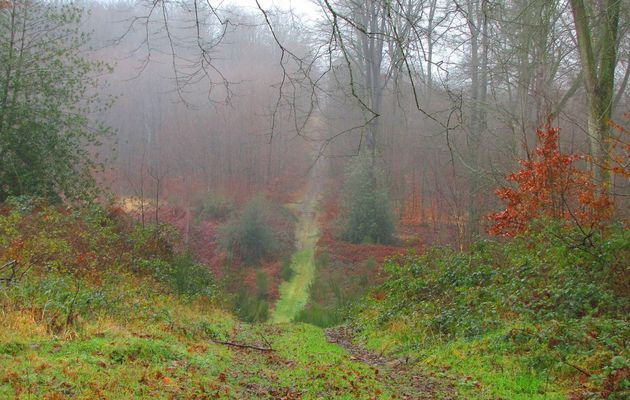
(245, 98)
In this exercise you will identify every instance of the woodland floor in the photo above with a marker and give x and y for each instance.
(177, 351)
(399, 375)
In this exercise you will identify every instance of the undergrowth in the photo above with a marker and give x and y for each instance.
(540, 316)
(74, 265)
(101, 308)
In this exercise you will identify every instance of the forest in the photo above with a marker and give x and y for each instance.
(315, 199)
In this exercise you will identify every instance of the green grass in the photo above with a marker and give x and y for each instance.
(294, 294)
(145, 357)
(490, 372)
(324, 370)
(305, 365)
(111, 360)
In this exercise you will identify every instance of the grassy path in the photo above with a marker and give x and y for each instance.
(294, 294)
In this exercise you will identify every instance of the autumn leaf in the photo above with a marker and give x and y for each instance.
(550, 185)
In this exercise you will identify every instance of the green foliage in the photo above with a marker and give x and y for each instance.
(319, 315)
(251, 308)
(185, 276)
(370, 264)
(250, 234)
(542, 303)
(286, 272)
(62, 299)
(366, 215)
(153, 240)
(75, 259)
(216, 206)
(250, 304)
(47, 98)
(22, 204)
(262, 285)
(331, 295)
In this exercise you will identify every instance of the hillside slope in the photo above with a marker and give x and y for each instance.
(101, 308)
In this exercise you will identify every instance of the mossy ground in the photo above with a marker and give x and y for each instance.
(294, 294)
(174, 359)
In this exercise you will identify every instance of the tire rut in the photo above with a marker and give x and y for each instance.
(402, 376)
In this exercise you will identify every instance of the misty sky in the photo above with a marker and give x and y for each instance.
(304, 7)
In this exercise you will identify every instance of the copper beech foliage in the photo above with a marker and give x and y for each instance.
(551, 185)
(620, 150)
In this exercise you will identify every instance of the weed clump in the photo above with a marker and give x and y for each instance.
(80, 264)
(254, 307)
(185, 276)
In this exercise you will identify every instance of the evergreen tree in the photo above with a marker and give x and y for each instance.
(366, 214)
(250, 234)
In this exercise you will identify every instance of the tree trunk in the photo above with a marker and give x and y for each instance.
(599, 78)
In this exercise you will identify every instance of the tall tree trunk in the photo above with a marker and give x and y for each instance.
(599, 78)
(478, 96)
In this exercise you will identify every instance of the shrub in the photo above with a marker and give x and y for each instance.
(366, 214)
(187, 277)
(153, 240)
(319, 315)
(287, 272)
(370, 264)
(547, 303)
(250, 234)
(251, 308)
(262, 285)
(62, 298)
(550, 186)
(216, 206)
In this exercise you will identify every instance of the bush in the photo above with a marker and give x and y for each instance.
(251, 308)
(187, 277)
(286, 272)
(216, 206)
(250, 234)
(62, 299)
(262, 285)
(319, 315)
(551, 186)
(366, 214)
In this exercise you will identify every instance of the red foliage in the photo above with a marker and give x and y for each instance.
(550, 185)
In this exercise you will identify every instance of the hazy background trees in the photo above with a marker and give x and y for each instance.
(446, 96)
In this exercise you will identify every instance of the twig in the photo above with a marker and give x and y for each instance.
(585, 372)
(244, 346)
(9, 264)
(265, 340)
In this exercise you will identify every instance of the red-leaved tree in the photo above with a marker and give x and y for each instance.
(551, 186)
